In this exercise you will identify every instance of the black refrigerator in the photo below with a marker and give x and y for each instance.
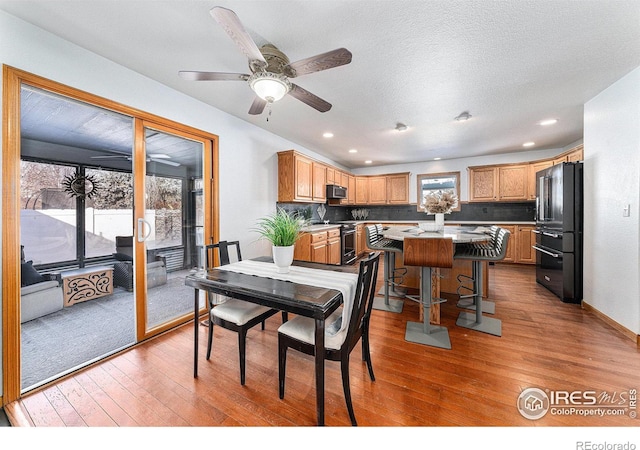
(559, 229)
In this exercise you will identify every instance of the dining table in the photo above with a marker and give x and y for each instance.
(426, 333)
(303, 297)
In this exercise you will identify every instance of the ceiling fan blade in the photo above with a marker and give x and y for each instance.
(310, 99)
(236, 31)
(163, 161)
(110, 157)
(328, 60)
(212, 76)
(257, 106)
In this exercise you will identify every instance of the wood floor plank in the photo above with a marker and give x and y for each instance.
(545, 344)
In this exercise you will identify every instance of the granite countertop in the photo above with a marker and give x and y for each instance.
(446, 222)
(320, 227)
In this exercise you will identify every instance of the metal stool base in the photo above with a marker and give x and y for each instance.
(488, 325)
(401, 292)
(394, 306)
(436, 336)
(487, 307)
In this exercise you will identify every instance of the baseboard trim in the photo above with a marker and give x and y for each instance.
(625, 331)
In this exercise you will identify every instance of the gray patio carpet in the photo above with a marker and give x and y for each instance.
(57, 343)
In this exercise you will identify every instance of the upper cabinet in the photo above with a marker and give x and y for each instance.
(512, 182)
(398, 189)
(302, 179)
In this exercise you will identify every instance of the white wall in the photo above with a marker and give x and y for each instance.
(612, 181)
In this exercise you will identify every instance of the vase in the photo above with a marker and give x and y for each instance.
(283, 258)
(439, 222)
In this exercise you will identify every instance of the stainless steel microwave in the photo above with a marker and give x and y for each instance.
(335, 191)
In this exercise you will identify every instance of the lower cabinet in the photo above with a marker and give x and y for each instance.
(519, 246)
(319, 246)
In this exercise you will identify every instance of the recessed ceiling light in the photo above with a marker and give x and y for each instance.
(528, 144)
(401, 127)
(328, 134)
(547, 122)
(437, 159)
(368, 161)
(353, 150)
(463, 116)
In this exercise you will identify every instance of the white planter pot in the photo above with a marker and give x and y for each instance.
(439, 222)
(283, 258)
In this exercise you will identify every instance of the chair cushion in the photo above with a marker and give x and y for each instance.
(29, 275)
(238, 311)
(304, 329)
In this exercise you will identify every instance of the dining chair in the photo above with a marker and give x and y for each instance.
(299, 332)
(233, 314)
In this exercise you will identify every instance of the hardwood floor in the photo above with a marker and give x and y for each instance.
(545, 343)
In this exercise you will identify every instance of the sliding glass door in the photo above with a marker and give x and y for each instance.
(110, 209)
(169, 229)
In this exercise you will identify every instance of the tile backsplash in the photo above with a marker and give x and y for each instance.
(482, 212)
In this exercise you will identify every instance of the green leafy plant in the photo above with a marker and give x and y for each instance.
(281, 229)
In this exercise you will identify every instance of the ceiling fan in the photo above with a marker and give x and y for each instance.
(270, 68)
(160, 158)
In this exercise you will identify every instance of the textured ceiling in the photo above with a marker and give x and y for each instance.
(509, 63)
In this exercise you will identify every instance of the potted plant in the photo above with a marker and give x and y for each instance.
(282, 230)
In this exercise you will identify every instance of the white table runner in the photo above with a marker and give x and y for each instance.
(344, 282)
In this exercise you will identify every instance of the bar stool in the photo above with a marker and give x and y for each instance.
(487, 306)
(492, 251)
(392, 276)
(428, 254)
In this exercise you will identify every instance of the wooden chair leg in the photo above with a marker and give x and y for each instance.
(344, 363)
(242, 346)
(282, 366)
(366, 356)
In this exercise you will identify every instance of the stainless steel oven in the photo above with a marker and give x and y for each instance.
(348, 243)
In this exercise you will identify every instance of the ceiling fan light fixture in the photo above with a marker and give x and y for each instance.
(401, 127)
(269, 86)
(463, 116)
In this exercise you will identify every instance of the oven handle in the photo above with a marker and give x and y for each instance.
(542, 250)
(545, 233)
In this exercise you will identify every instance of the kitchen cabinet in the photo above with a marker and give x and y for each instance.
(362, 190)
(295, 177)
(505, 183)
(331, 175)
(535, 167)
(377, 190)
(398, 189)
(519, 249)
(361, 237)
(512, 182)
(319, 246)
(524, 253)
(351, 191)
(319, 182)
(483, 185)
(334, 254)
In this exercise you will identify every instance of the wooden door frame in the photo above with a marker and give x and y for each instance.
(12, 79)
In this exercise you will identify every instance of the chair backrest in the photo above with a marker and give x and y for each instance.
(363, 300)
(428, 252)
(223, 253)
(500, 243)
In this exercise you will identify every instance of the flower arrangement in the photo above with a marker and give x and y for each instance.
(439, 202)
